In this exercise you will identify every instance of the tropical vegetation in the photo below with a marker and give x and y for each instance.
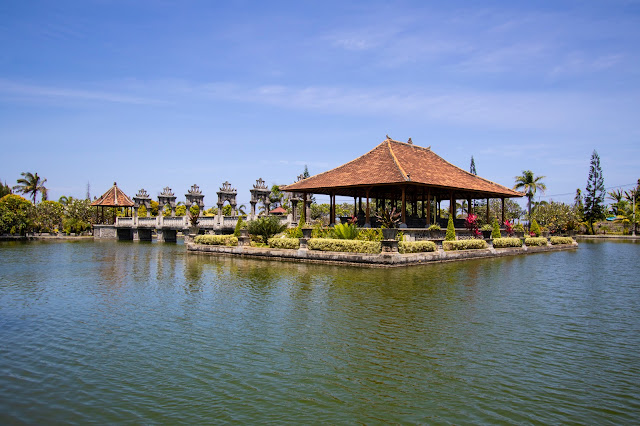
(529, 184)
(595, 193)
(31, 184)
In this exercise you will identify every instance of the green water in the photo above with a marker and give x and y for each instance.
(110, 332)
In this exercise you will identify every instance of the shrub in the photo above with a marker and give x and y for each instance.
(16, 214)
(266, 226)
(509, 228)
(535, 241)
(345, 231)
(507, 242)
(464, 245)
(416, 246)
(355, 246)
(216, 240)
(495, 232)
(320, 231)
(486, 227)
(294, 232)
(239, 225)
(535, 228)
(518, 227)
(48, 216)
(369, 234)
(434, 227)
(284, 243)
(561, 240)
(451, 230)
(181, 210)
(388, 218)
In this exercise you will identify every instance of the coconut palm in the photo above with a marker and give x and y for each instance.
(31, 184)
(529, 184)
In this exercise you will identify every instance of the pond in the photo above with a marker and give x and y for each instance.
(145, 333)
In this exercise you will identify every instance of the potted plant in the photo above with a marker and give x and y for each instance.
(486, 230)
(388, 220)
(194, 216)
(435, 231)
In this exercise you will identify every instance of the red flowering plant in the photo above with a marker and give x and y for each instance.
(509, 228)
(353, 220)
(471, 223)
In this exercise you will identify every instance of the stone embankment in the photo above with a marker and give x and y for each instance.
(374, 260)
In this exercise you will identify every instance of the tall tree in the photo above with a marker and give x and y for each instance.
(472, 167)
(31, 184)
(594, 194)
(529, 184)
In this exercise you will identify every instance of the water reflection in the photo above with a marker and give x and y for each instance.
(156, 333)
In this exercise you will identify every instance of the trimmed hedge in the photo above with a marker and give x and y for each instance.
(561, 240)
(216, 240)
(507, 242)
(464, 245)
(416, 246)
(284, 243)
(354, 246)
(535, 241)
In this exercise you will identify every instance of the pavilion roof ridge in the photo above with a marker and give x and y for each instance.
(342, 165)
(114, 197)
(395, 159)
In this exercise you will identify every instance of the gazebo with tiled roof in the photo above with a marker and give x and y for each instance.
(405, 172)
(115, 198)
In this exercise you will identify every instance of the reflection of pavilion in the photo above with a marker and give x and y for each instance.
(398, 172)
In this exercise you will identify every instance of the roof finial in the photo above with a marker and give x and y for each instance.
(410, 142)
(388, 138)
(115, 184)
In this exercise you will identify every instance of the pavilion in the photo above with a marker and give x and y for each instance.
(114, 197)
(401, 172)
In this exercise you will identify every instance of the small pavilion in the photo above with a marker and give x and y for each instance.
(401, 172)
(115, 198)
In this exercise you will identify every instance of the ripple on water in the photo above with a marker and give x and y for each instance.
(122, 332)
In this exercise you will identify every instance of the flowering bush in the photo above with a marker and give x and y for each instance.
(471, 223)
(509, 228)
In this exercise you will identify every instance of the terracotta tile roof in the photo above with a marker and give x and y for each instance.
(114, 197)
(393, 162)
(278, 210)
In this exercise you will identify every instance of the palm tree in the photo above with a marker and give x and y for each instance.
(529, 183)
(31, 184)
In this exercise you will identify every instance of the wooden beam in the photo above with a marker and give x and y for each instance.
(367, 220)
(488, 215)
(503, 210)
(404, 205)
(429, 207)
(452, 205)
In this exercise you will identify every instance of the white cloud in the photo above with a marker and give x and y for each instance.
(43, 92)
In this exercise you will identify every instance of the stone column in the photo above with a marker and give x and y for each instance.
(488, 215)
(428, 208)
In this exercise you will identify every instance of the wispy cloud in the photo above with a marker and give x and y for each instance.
(27, 91)
(518, 109)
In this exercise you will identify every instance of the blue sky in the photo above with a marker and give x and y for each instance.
(157, 93)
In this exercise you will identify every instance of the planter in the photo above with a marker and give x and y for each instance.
(244, 232)
(306, 232)
(486, 234)
(193, 230)
(389, 233)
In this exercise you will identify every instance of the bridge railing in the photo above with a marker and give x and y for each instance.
(174, 222)
(147, 222)
(207, 222)
(124, 221)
